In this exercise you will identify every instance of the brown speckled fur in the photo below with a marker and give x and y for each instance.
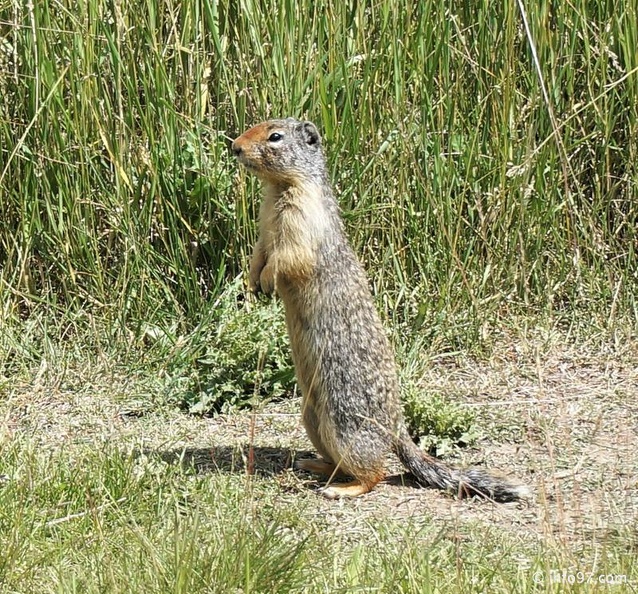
(344, 364)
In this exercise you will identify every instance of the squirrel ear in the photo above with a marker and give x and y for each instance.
(310, 133)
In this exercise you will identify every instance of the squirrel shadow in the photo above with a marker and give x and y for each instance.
(263, 461)
(257, 460)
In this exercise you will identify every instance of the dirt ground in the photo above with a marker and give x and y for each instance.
(563, 421)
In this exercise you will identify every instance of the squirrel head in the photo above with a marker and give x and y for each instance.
(282, 151)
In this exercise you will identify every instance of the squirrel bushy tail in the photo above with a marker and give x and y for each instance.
(430, 472)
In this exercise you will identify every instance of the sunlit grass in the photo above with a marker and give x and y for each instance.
(124, 222)
(118, 193)
(95, 520)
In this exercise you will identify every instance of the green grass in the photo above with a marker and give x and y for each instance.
(89, 523)
(481, 203)
(123, 216)
(99, 520)
(118, 195)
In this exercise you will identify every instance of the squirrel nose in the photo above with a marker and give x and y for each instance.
(236, 149)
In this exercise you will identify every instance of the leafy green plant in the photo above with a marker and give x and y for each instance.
(237, 355)
(437, 424)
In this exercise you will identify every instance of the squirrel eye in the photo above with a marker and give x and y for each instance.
(275, 137)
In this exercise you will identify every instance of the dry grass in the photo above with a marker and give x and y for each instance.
(561, 419)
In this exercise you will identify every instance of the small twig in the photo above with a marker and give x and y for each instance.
(510, 402)
(563, 474)
(83, 513)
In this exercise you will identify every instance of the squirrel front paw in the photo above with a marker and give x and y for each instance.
(267, 280)
(261, 280)
(253, 283)
(257, 264)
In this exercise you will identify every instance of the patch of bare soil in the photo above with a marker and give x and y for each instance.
(563, 422)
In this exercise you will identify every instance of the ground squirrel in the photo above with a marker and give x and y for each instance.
(345, 367)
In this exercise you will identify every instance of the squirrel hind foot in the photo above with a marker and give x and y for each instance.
(351, 489)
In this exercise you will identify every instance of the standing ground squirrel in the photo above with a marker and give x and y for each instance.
(345, 367)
